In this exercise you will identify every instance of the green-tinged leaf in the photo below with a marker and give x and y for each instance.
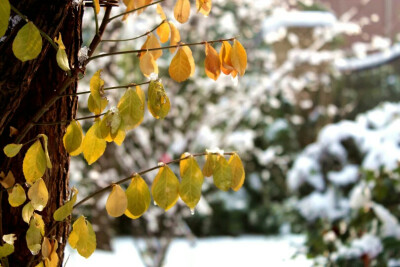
(93, 146)
(82, 237)
(65, 210)
(222, 174)
(39, 195)
(110, 124)
(6, 250)
(96, 101)
(191, 182)
(73, 138)
(62, 59)
(165, 188)
(27, 212)
(34, 236)
(238, 174)
(138, 195)
(158, 101)
(116, 201)
(46, 150)
(209, 166)
(4, 16)
(27, 44)
(16, 196)
(11, 150)
(39, 222)
(97, 84)
(7, 181)
(131, 107)
(96, 105)
(34, 164)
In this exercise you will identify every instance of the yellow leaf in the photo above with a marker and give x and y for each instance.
(73, 138)
(97, 84)
(82, 237)
(158, 101)
(163, 32)
(96, 6)
(5, 10)
(191, 181)
(182, 10)
(165, 188)
(34, 236)
(16, 196)
(225, 58)
(27, 212)
(191, 59)
(148, 65)
(6, 250)
(46, 248)
(204, 6)
(61, 57)
(54, 260)
(38, 195)
(152, 43)
(8, 181)
(93, 146)
(119, 137)
(116, 202)
(39, 223)
(160, 11)
(222, 174)
(65, 210)
(34, 164)
(27, 44)
(175, 36)
(239, 57)
(46, 151)
(110, 124)
(96, 101)
(97, 105)
(180, 68)
(209, 166)
(11, 150)
(139, 198)
(184, 163)
(131, 107)
(238, 174)
(212, 64)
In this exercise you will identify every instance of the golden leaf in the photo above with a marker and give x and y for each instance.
(96, 101)
(165, 188)
(96, 6)
(180, 68)
(209, 166)
(191, 182)
(164, 32)
(222, 174)
(238, 174)
(131, 107)
(204, 6)
(82, 237)
(73, 138)
(93, 146)
(38, 194)
(239, 57)
(158, 101)
(147, 64)
(27, 44)
(27, 212)
(225, 58)
(116, 201)
(212, 64)
(139, 198)
(34, 164)
(152, 43)
(11, 150)
(160, 11)
(175, 36)
(182, 10)
(7, 181)
(16, 196)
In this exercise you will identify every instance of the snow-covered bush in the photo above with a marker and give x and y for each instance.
(347, 186)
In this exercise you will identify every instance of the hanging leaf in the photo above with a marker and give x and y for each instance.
(73, 138)
(164, 32)
(61, 57)
(38, 195)
(139, 198)
(238, 174)
(93, 146)
(160, 11)
(116, 202)
(148, 65)
(191, 182)
(180, 68)
(52, 260)
(239, 57)
(16, 196)
(165, 188)
(225, 57)
(182, 10)
(158, 101)
(152, 43)
(96, 101)
(5, 10)
(11, 150)
(27, 44)
(6, 250)
(82, 237)
(7, 181)
(34, 164)
(204, 6)
(65, 210)
(222, 174)
(135, 4)
(46, 248)
(110, 124)
(131, 107)
(212, 64)
(27, 212)
(34, 235)
(209, 166)
(175, 36)
(191, 59)
(96, 6)
(46, 151)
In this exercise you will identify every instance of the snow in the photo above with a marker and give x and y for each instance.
(220, 251)
(368, 244)
(347, 175)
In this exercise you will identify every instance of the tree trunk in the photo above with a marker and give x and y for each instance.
(24, 89)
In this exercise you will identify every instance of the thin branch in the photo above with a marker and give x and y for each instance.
(97, 38)
(68, 121)
(108, 88)
(133, 10)
(158, 48)
(137, 37)
(102, 190)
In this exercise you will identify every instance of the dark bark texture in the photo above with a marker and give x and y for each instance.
(25, 87)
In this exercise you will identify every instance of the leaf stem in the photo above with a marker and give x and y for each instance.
(159, 48)
(96, 19)
(108, 88)
(133, 10)
(137, 37)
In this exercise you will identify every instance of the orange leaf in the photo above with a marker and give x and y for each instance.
(182, 10)
(152, 42)
(163, 32)
(225, 58)
(160, 11)
(97, 6)
(175, 36)
(180, 68)
(239, 57)
(212, 64)
(148, 65)
(203, 6)
(191, 59)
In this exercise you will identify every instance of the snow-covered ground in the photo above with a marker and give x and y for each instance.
(220, 251)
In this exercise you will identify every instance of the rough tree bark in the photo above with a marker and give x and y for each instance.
(24, 90)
